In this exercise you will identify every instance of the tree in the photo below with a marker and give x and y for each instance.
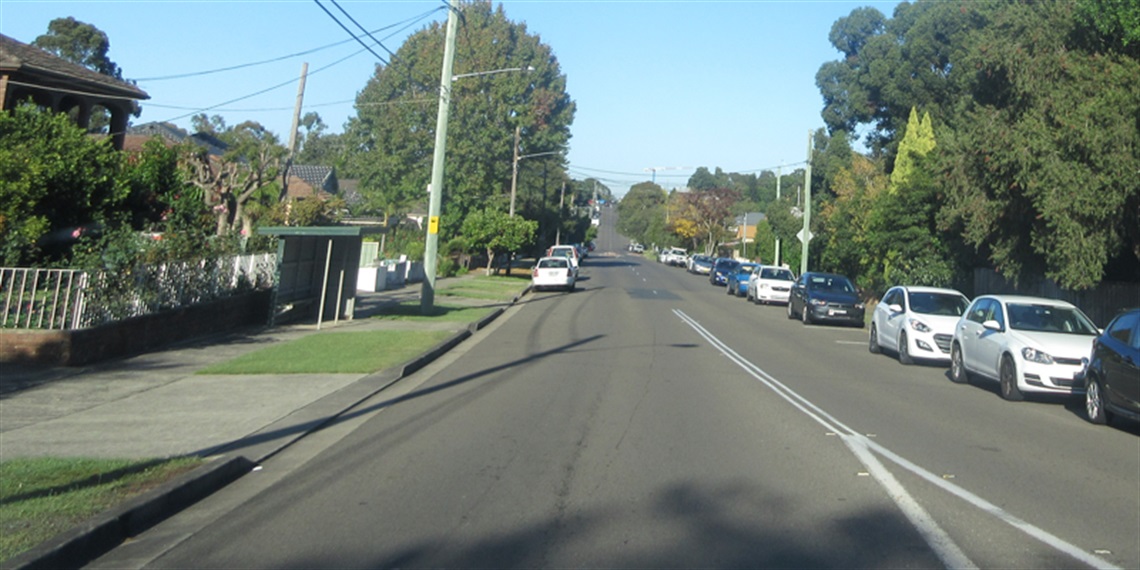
(497, 232)
(82, 44)
(249, 169)
(56, 184)
(396, 115)
(1035, 106)
(641, 213)
(709, 212)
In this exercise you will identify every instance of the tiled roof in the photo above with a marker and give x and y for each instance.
(20, 59)
(321, 177)
(176, 135)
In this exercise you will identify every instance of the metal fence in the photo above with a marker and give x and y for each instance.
(71, 299)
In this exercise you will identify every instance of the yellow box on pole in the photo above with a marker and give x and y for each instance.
(433, 225)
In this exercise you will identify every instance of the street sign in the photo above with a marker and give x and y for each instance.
(800, 235)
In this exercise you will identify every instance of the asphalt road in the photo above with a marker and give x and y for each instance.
(650, 420)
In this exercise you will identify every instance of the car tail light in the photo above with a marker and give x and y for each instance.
(535, 272)
(569, 271)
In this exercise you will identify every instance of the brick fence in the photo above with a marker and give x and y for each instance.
(135, 335)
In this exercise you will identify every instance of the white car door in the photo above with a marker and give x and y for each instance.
(892, 320)
(989, 343)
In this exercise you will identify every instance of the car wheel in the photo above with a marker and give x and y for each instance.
(958, 372)
(1008, 373)
(805, 314)
(791, 315)
(728, 288)
(904, 350)
(572, 287)
(1094, 403)
(873, 343)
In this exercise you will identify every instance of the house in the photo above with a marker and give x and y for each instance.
(28, 72)
(745, 234)
(306, 181)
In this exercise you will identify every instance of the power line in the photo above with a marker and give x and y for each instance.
(412, 20)
(354, 36)
(362, 28)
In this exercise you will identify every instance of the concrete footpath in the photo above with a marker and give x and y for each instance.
(155, 405)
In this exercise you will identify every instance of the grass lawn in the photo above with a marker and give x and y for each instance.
(488, 287)
(41, 497)
(334, 353)
(410, 311)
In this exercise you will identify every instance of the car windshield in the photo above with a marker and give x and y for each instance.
(944, 304)
(726, 264)
(547, 263)
(777, 274)
(832, 284)
(1048, 318)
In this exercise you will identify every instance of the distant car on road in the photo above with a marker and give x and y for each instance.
(737, 281)
(553, 273)
(818, 297)
(721, 267)
(569, 252)
(770, 284)
(673, 256)
(1112, 380)
(916, 322)
(1027, 344)
(700, 264)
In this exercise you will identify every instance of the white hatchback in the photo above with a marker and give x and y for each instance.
(1027, 344)
(553, 273)
(917, 323)
(770, 284)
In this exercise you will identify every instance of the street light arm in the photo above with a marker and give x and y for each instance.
(492, 72)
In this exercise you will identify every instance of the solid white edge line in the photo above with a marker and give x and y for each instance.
(836, 426)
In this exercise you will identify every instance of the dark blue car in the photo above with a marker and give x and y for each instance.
(721, 268)
(819, 297)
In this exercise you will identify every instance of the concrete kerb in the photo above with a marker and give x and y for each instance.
(82, 544)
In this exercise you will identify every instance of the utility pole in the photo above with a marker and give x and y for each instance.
(558, 229)
(293, 133)
(515, 169)
(431, 242)
(776, 255)
(806, 237)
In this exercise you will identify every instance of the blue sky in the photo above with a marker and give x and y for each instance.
(657, 84)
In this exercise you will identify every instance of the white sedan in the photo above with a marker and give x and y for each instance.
(553, 273)
(1027, 344)
(770, 284)
(916, 323)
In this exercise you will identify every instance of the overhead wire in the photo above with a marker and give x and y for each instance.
(412, 20)
(406, 24)
(350, 32)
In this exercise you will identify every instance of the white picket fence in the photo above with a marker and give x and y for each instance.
(52, 299)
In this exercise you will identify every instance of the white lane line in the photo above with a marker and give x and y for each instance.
(850, 342)
(943, 546)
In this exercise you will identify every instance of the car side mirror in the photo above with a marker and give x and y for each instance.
(992, 325)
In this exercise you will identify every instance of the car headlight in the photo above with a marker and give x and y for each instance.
(819, 302)
(859, 306)
(1034, 355)
(919, 326)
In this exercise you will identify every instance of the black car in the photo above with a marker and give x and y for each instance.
(1112, 379)
(819, 297)
(721, 268)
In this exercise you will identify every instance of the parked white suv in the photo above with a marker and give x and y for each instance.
(673, 256)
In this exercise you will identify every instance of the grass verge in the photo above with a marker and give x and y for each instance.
(410, 311)
(334, 353)
(487, 287)
(42, 497)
